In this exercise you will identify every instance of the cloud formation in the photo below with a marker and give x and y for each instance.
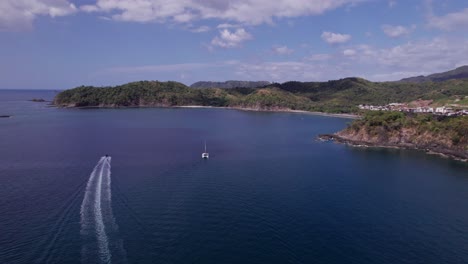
(397, 31)
(200, 29)
(157, 68)
(227, 25)
(404, 60)
(17, 15)
(450, 21)
(282, 50)
(231, 39)
(349, 52)
(241, 11)
(335, 38)
(377, 64)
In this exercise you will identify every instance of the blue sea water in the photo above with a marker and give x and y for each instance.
(270, 193)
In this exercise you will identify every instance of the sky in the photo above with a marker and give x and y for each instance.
(61, 44)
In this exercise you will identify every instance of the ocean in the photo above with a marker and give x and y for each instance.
(269, 193)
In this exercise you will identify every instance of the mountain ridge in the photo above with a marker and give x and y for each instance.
(229, 84)
(455, 74)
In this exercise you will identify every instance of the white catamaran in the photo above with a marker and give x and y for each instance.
(205, 154)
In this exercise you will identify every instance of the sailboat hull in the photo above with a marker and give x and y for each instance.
(205, 154)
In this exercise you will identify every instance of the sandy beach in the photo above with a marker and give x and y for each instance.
(349, 116)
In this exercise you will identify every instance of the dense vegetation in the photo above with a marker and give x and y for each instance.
(338, 96)
(345, 94)
(230, 84)
(419, 129)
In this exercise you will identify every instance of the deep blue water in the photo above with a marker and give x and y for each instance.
(270, 193)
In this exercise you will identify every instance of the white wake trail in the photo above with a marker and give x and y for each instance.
(93, 228)
(103, 243)
(89, 194)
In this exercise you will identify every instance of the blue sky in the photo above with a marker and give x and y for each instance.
(60, 44)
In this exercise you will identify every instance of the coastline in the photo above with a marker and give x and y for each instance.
(446, 153)
(279, 110)
(456, 155)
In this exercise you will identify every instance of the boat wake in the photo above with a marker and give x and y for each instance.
(99, 230)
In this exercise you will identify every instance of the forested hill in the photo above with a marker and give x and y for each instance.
(439, 134)
(338, 96)
(230, 84)
(458, 73)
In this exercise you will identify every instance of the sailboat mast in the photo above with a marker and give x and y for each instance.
(205, 146)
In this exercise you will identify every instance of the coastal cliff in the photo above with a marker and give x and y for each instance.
(436, 134)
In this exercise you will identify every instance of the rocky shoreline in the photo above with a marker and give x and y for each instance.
(38, 100)
(429, 149)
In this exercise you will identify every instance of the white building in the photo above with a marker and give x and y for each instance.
(443, 110)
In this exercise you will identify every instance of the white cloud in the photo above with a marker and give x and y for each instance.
(200, 29)
(371, 62)
(186, 72)
(282, 50)
(228, 39)
(89, 8)
(395, 76)
(394, 63)
(377, 64)
(158, 68)
(335, 38)
(241, 11)
(397, 31)
(450, 21)
(349, 52)
(282, 71)
(16, 15)
(227, 25)
(392, 3)
(319, 57)
(227, 70)
(432, 56)
(184, 18)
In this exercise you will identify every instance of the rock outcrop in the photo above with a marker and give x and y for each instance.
(442, 135)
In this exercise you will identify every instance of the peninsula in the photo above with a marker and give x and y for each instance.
(445, 135)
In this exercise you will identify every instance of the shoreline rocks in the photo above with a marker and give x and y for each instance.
(38, 100)
(429, 149)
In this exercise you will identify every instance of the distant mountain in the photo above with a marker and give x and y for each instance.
(458, 73)
(230, 84)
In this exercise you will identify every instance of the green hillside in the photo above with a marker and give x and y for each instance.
(440, 134)
(458, 73)
(338, 96)
(230, 84)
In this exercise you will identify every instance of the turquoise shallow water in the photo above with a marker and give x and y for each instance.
(270, 193)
